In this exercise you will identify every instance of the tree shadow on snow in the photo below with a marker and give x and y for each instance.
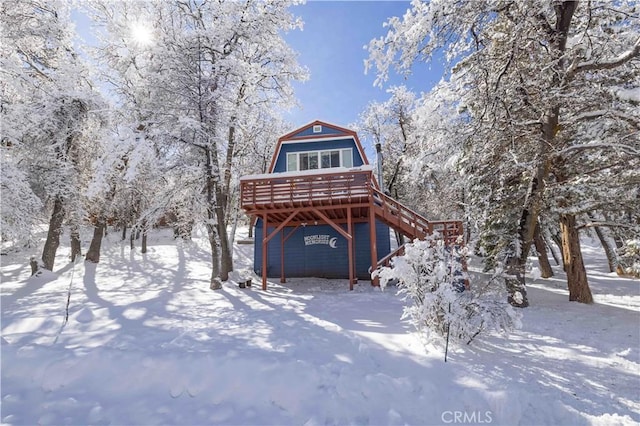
(558, 355)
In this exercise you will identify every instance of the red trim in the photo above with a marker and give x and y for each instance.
(289, 137)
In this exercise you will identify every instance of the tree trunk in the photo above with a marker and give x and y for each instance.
(213, 193)
(34, 265)
(547, 240)
(144, 242)
(76, 246)
(557, 239)
(124, 231)
(617, 240)
(223, 194)
(226, 257)
(515, 265)
(515, 283)
(53, 235)
(543, 258)
(576, 274)
(224, 253)
(93, 255)
(216, 282)
(234, 229)
(608, 251)
(144, 237)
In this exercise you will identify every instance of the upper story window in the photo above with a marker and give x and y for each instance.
(317, 128)
(313, 160)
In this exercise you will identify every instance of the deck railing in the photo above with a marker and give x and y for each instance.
(286, 190)
(282, 189)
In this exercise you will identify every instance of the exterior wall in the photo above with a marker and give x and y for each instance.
(281, 161)
(324, 257)
(326, 130)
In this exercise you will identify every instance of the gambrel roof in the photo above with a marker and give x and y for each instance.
(306, 134)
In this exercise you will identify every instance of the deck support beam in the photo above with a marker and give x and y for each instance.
(265, 229)
(349, 237)
(352, 266)
(373, 241)
(266, 238)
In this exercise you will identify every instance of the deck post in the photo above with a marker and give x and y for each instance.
(373, 241)
(283, 279)
(265, 243)
(350, 249)
(348, 235)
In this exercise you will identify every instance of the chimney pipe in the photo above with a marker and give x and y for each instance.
(380, 158)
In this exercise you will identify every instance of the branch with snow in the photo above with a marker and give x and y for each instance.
(430, 276)
(604, 146)
(606, 64)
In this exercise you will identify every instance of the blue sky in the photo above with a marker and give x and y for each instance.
(331, 46)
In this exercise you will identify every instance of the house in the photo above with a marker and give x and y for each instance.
(319, 210)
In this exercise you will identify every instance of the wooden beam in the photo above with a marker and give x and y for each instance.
(265, 243)
(373, 243)
(335, 226)
(283, 224)
(285, 209)
(265, 221)
(350, 249)
(283, 279)
(348, 234)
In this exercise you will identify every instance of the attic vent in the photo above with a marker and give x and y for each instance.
(317, 128)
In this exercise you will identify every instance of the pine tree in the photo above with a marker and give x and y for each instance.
(523, 72)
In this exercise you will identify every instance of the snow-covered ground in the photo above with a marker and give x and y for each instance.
(146, 342)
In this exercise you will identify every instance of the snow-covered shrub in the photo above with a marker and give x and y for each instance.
(629, 258)
(431, 278)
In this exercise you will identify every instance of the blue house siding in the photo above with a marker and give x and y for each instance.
(326, 130)
(324, 145)
(320, 251)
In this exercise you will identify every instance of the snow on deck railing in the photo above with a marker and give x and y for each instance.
(308, 186)
(304, 173)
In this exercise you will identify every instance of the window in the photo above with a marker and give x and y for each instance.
(292, 161)
(347, 157)
(317, 128)
(308, 160)
(330, 159)
(313, 160)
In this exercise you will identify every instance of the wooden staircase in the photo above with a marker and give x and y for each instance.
(411, 224)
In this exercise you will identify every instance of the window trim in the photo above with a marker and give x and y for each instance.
(345, 154)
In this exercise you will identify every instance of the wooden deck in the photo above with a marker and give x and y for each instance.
(334, 198)
(333, 193)
(330, 193)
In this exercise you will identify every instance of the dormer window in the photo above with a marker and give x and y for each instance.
(313, 160)
(317, 128)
